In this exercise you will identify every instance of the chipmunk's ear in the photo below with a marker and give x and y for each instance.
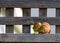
(46, 27)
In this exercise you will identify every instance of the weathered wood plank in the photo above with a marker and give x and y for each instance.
(57, 28)
(9, 13)
(57, 15)
(26, 28)
(26, 13)
(30, 3)
(29, 20)
(43, 12)
(9, 28)
(57, 12)
(29, 38)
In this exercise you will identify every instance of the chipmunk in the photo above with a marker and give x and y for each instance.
(43, 28)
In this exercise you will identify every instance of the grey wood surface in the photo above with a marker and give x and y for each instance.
(29, 38)
(26, 28)
(57, 12)
(26, 13)
(57, 15)
(9, 29)
(29, 20)
(9, 13)
(30, 3)
(43, 12)
(57, 29)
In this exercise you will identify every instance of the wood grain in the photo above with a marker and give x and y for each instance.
(29, 20)
(26, 13)
(57, 15)
(9, 29)
(29, 38)
(42, 12)
(30, 3)
(9, 13)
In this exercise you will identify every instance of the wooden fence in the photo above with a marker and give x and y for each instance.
(27, 20)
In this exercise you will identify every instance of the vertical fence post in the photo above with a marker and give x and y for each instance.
(9, 13)
(26, 13)
(57, 15)
(42, 12)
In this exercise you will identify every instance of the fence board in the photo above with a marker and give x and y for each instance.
(26, 28)
(26, 13)
(30, 3)
(29, 20)
(9, 28)
(57, 12)
(57, 15)
(29, 38)
(9, 13)
(43, 12)
(57, 28)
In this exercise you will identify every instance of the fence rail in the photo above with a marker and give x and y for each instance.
(29, 38)
(30, 3)
(29, 20)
